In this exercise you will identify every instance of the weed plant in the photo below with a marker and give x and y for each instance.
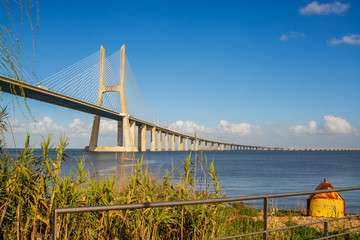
(31, 188)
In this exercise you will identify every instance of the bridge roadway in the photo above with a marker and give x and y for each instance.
(16, 87)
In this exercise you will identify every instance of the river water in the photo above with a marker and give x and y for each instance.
(243, 173)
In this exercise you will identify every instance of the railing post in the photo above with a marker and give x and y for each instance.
(266, 200)
(55, 222)
(326, 229)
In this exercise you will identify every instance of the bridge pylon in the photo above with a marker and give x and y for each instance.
(126, 128)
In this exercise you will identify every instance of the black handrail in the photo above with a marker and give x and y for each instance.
(208, 201)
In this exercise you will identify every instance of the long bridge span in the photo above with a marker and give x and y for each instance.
(127, 125)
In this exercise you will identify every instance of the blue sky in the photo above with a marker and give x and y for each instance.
(274, 73)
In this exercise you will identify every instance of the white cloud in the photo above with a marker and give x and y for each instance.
(337, 125)
(310, 128)
(330, 125)
(47, 125)
(17, 126)
(44, 126)
(240, 129)
(78, 128)
(293, 35)
(352, 39)
(189, 127)
(315, 8)
(224, 128)
(108, 127)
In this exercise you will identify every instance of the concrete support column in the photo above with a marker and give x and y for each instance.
(94, 133)
(173, 142)
(196, 145)
(159, 141)
(166, 141)
(192, 144)
(186, 144)
(132, 133)
(142, 138)
(216, 146)
(96, 123)
(152, 140)
(180, 143)
(203, 145)
(120, 132)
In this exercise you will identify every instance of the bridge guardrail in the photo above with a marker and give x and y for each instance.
(219, 200)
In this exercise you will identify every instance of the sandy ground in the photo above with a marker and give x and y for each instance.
(350, 224)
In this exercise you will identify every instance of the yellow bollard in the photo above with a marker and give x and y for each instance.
(326, 204)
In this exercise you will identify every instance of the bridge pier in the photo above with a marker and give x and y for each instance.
(132, 133)
(166, 141)
(153, 138)
(173, 142)
(142, 138)
(180, 143)
(120, 130)
(159, 148)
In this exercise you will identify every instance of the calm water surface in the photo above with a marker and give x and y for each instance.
(243, 173)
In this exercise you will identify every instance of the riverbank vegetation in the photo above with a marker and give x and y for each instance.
(31, 187)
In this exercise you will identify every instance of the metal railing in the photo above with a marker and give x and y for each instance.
(219, 200)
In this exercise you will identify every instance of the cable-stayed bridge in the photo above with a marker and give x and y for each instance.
(106, 87)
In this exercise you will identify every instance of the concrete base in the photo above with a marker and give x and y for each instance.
(111, 149)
